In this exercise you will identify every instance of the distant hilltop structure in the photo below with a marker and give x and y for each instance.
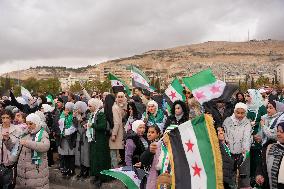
(230, 61)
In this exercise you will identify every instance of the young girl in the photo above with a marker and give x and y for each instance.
(136, 144)
(20, 121)
(149, 158)
(132, 115)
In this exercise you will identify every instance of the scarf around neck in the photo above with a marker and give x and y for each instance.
(37, 156)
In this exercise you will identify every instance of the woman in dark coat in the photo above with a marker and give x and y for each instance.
(179, 114)
(99, 149)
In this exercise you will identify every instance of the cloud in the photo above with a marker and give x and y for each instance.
(33, 31)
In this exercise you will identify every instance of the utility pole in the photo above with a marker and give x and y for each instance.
(248, 34)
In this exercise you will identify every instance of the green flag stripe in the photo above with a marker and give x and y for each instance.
(200, 79)
(122, 177)
(205, 149)
(176, 85)
(113, 77)
(134, 69)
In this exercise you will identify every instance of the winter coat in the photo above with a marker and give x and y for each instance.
(172, 120)
(271, 156)
(99, 148)
(228, 166)
(82, 150)
(118, 128)
(14, 133)
(237, 134)
(31, 175)
(134, 148)
(269, 130)
(149, 159)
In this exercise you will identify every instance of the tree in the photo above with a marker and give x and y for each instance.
(261, 81)
(252, 85)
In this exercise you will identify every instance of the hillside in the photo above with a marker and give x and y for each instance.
(225, 58)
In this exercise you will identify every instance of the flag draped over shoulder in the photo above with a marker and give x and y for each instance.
(195, 155)
(130, 176)
(204, 86)
(118, 85)
(174, 92)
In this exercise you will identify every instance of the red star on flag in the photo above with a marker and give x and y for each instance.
(117, 83)
(173, 95)
(199, 95)
(189, 146)
(135, 176)
(215, 89)
(196, 170)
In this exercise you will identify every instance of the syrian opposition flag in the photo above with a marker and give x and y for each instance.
(195, 155)
(139, 79)
(174, 92)
(118, 85)
(130, 177)
(204, 86)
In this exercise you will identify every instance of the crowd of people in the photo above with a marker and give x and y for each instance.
(102, 131)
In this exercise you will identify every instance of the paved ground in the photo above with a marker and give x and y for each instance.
(58, 182)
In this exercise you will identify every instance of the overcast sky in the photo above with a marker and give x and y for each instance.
(76, 33)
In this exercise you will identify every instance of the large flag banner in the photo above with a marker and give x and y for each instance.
(130, 177)
(118, 85)
(204, 86)
(174, 92)
(195, 155)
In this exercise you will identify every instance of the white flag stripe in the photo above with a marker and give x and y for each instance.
(116, 83)
(207, 93)
(193, 158)
(171, 92)
(138, 78)
(130, 174)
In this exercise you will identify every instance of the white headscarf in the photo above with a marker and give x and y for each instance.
(82, 106)
(153, 102)
(242, 106)
(36, 120)
(136, 124)
(69, 106)
(97, 103)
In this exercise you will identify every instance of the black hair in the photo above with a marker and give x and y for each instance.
(134, 109)
(240, 93)
(9, 113)
(108, 103)
(183, 106)
(158, 130)
(138, 88)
